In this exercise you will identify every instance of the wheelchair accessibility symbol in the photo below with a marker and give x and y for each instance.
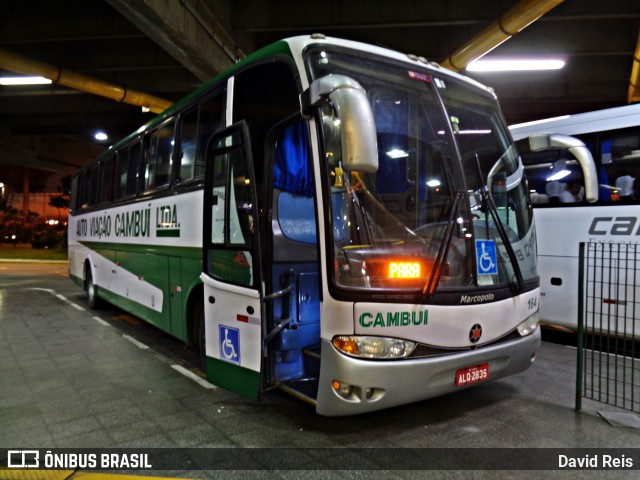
(230, 344)
(486, 259)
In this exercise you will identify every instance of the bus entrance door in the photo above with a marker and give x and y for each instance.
(233, 312)
(292, 308)
(233, 337)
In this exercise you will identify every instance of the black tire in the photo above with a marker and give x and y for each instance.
(92, 291)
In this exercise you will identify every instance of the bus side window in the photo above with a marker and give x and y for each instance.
(197, 126)
(188, 145)
(108, 170)
(620, 165)
(82, 188)
(133, 168)
(73, 199)
(158, 157)
(93, 186)
(126, 175)
(122, 166)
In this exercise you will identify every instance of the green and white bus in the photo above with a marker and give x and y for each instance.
(341, 221)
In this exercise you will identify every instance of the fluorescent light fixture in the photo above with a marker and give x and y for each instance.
(467, 132)
(397, 153)
(558, 171)
(515, 126)
(558, 175)
(515, 65)
(474, 132)
(101, 136)
(7, 81)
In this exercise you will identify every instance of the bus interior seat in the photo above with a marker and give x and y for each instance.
(625, 185)
(294, 228)
(554, 191)
(539, 198)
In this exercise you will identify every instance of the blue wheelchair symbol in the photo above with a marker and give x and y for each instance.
(230, 344)
(486, 258)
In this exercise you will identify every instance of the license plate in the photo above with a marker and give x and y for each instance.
(477, 373)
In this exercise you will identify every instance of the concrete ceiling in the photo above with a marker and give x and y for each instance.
(168, 48)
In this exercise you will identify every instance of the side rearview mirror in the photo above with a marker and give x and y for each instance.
(576, 147)
(357, 127)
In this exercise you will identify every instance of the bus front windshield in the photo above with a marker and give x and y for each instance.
(448, 206)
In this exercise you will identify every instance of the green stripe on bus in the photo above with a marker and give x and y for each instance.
(232, 377)
(168, 233)
(191, 252)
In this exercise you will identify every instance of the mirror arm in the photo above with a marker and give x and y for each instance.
(322, 89)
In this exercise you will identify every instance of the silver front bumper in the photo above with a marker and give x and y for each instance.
(393, 383)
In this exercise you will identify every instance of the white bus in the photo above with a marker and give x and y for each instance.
(341, 221)
(563, 219)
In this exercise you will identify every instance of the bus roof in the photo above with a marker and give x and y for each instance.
(599, 120)
(292, 47)
(299, 43)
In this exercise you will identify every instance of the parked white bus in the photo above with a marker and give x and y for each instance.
(563, 219)
(359, 218)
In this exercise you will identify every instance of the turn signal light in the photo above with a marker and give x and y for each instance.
(347, 345)
(343, 389)
(379, 348)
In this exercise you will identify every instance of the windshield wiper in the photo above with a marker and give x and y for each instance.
(487, 202)
(431, 285)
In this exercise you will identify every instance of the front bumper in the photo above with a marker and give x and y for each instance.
(383, 384)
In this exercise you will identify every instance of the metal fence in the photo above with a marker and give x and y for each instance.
(608, 325)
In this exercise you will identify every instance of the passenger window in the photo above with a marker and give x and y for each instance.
(127, 171)
(108, 168)
(83, 188)
(197, 126)
(619, 175)
(94, 186)
(617, 157)
(188, 145)
(158, 157)
(73, 205)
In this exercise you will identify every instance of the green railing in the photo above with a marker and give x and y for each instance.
(609, 325)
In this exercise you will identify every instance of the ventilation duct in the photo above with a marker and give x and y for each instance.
(511, 22)
(27, 66)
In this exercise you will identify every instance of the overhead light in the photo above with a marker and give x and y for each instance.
(7, 81)
(515, 65)
(558, 171)
(101, 136)
(397, 153)
(558, 175)
(467, 132)
(433, 183)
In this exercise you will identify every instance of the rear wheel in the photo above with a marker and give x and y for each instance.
(90, 288)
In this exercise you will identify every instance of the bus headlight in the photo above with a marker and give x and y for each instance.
(383, 348)
(529, 325)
